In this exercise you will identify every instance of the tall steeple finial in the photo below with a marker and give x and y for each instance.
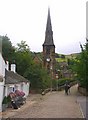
(49, 32)
(48, 25)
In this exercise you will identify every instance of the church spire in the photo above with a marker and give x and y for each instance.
(48, 26)
(49, 48)
(49, 32)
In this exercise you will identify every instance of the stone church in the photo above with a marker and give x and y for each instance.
(49, 48)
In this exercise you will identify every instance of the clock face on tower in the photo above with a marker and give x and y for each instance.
(48, 59)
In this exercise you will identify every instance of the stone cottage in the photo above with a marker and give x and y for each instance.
(14, 81)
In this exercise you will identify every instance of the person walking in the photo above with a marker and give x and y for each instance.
(67, 87)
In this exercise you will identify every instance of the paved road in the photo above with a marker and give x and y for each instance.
(51, 105)
(83, 103)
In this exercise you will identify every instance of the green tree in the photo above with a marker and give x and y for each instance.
(81, 66)
(22, 47)
(23, 57)
(63, 56)
(38, 77)
(29, 69)
(7, 49)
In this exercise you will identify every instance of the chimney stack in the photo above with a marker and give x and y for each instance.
(13, 68)
(7, 65)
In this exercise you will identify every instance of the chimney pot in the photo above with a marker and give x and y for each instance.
(13, 68)
(7, 65)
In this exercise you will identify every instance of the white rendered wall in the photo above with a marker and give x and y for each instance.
(1, 94)
(2, 73)
(2, 66)
(26, 89)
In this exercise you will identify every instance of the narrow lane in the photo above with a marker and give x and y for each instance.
(52, 105)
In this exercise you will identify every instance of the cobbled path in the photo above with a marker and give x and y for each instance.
(52, 105)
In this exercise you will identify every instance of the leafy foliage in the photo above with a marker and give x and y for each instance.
(23, 47)
(23, 61)
(63, 56)
(4, 100)
(81, 66)
(23, 58)
(62, 81)
(7, 49)
(38, 77)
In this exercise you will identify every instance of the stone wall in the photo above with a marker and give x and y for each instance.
(82, 91)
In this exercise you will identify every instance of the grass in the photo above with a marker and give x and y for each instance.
(61, 60)
(71, 56)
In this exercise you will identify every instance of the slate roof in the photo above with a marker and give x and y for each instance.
(37, 59)
(14, 78)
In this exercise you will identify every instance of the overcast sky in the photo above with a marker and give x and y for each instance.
(26, 20)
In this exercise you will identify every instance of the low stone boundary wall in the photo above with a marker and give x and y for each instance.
(61, 87)
(82, 91)
(71, 84)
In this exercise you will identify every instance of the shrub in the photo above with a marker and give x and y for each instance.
(63, 80)
(4, 100)
(8, 99)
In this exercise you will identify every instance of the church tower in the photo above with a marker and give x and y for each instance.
(49, 48)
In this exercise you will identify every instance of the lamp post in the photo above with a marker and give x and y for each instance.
(57, 77)
(57, 81)
(50, 70)
(51, 76)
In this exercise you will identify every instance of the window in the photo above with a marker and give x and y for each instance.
(47, 50)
